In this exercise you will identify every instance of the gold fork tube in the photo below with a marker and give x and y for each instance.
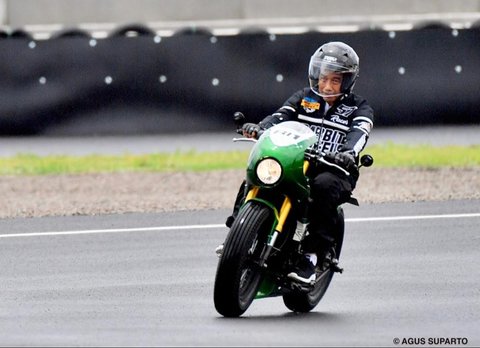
(252, 193)
(284, 210)
(305, 166)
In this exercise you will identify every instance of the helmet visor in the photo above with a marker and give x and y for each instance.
(323, 66)
(326, 65)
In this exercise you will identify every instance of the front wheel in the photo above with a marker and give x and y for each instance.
(304, 302)
(238, 275)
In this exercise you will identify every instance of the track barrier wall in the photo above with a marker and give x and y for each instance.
(193, 81)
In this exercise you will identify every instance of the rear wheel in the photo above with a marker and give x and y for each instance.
(238, 275)
(304, 302)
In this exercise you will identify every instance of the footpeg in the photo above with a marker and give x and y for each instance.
(334, 266)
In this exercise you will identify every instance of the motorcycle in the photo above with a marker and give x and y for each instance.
(264, 241)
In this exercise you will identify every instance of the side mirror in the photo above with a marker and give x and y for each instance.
(366, 161)
(239, 119)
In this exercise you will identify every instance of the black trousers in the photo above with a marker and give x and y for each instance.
(329, 190)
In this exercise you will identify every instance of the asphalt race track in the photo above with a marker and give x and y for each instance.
(411, 273)
(411, 269)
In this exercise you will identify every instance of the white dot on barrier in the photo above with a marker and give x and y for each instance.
(392, 35)
(401, 70)
(455, 32)
(157, 39)
(213, 39)
(42, 80)
(92, 43)
(272, 37)
(279, 78)
(108, 80)
(162, 79)
(32, 44)
(458, 69)
(215, 82)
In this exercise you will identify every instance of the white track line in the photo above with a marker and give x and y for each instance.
(414, 217)
(213, 226)
(111, 230)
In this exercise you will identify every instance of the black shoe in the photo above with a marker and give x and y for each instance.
(230, 221)
(304, 272)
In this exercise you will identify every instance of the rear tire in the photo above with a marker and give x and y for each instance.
(304, 302)
(238, 276)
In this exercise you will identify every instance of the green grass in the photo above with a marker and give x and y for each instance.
(388, 155)
(28, 164)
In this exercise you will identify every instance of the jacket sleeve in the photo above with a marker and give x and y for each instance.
(359, 132)
(288, 112)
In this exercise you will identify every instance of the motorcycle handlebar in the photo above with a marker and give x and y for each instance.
(239, 119)
(324, 161)
(259, 133)
(325, 158)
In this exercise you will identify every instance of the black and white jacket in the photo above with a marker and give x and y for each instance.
(343, 127)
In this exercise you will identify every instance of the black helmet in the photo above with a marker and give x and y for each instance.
(335, 57)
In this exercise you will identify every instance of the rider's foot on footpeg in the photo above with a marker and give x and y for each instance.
(304, 271)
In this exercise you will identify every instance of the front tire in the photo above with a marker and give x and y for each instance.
(238, 276)
(304, 302)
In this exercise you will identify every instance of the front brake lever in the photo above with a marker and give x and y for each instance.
(253, 140)
(324, 161)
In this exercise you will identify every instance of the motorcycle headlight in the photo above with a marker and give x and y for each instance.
(269, 171)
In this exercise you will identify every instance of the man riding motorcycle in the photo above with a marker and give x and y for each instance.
(342, 122)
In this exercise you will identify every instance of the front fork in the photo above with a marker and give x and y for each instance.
(282, 217)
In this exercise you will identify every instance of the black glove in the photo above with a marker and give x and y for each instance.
(346, 161)
(251, 130)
